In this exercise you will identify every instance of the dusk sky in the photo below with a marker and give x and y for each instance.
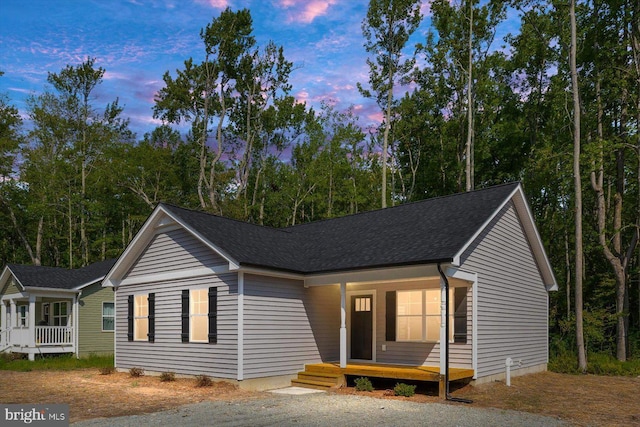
(136, 41)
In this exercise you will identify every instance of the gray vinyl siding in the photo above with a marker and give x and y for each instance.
(91, 338)
(323, 308)
(415, 353)
(278, 336)
(168, 352)
(512, 299)
(172, 251)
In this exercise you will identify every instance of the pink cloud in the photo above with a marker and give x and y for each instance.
(216, 4)
(305, 11)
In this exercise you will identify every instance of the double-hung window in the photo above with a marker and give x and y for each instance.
(60, 313)
(141, 317)
(199, 315)
(108, 316)
(23, 318)
(418, 315)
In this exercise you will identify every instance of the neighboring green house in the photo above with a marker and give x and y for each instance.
(55, 310)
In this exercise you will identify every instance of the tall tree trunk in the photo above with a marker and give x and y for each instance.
(385, 140)
(469, 146)
(582, 356)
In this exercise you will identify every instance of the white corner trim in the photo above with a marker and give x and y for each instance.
(240, 326)
(175, 275)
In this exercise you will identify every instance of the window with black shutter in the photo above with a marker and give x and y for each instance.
(460, 316)
(185, 315)
(130, 318)
(390, 324)
(152, 318)
(213, 315)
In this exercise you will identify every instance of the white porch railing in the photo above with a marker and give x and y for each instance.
(54, 335)
(4, 339)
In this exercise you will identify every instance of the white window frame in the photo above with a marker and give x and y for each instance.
(53, 316)
(426, 316)
(193, 315)
(137, 317)
(23, 316)
(112, 316)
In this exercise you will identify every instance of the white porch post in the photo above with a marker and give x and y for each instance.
(3, 325)
(13, 315)
(343, 324)
(443, 323)
(3, 316)
(31, 325)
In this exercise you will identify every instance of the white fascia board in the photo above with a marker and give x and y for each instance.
(51, 292)
(271, 273)
(458, 256)
(526, 217)
(6, 275)
(533, 237)
(14, 296)
(456, 273)
(99, 279)
(160, 219)
(373, 276)
(174, 275)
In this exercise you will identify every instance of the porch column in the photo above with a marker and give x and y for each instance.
(343, 324)
(3, 316)
(443, 323)
(13, 315)
(3, 325)
(31, 325)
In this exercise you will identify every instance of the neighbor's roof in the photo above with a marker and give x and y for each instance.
(59, 278)
(429, 231)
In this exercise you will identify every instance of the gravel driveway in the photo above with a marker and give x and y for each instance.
(324, 409)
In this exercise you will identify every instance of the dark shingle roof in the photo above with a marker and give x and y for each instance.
(60, 278)
(429, 231)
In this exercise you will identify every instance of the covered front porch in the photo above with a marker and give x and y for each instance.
(412, 323)
(38, 323)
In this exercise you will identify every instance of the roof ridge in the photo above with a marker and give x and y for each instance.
(239, 221)
(429, 199)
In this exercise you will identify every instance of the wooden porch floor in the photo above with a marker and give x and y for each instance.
(327, 375)
(401, 372)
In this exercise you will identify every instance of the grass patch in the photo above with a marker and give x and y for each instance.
(597, 364)
(53, 362)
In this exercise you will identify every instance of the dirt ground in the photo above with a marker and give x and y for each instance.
(581, 400)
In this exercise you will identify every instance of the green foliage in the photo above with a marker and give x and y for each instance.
(136, 372)
(406, 390)
(363, 384)
(15, 362)
(167, 376)
(597, 364)
(203, 381)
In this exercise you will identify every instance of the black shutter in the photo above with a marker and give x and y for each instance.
(185, 315)
(213, 315)
(460, 315)
(152, 318)
(391, 316)
(130, 318)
